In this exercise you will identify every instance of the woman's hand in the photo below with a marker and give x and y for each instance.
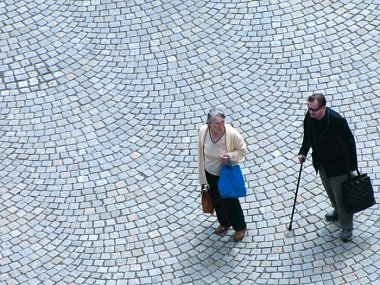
(205, 188)
(224, 158)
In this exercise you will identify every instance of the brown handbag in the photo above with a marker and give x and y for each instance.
(207, 204)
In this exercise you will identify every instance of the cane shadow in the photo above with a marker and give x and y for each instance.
(326, 239)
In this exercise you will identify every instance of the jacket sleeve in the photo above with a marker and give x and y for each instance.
(306, 142)
(236, 146)
(201, 159)
(350, 142)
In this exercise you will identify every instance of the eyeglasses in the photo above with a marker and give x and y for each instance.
(315, 110)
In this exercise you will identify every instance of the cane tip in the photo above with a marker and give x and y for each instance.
(289, 234)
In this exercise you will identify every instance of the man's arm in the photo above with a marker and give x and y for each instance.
(350, 142)
(306, 141)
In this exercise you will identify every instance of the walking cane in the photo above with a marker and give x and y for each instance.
(290, 233)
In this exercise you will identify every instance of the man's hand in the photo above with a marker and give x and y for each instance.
(301, 158)
(354, 173)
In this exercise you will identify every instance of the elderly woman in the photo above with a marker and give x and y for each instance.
(218, 142)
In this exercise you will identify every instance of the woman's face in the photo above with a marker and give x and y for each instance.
(217, 125)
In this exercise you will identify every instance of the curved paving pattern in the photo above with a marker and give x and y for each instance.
(100, 106)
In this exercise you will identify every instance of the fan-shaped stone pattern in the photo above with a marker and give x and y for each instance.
(100, 106)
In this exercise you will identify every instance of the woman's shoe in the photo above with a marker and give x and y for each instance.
(221, 230)
(239, 235)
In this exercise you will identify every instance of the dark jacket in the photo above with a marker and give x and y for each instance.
(332, 142)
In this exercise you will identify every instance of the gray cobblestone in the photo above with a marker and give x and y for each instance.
(100, 106)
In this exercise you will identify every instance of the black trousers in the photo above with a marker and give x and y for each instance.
(228, 211)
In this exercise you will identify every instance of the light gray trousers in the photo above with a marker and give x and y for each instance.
(333, 187)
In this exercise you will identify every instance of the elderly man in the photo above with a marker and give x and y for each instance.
(334, 155)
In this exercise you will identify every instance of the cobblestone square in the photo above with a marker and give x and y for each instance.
(100, 106)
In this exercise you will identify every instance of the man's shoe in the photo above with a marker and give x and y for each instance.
(346, 235)
(239, 235)
(332, 216)
(221, 230)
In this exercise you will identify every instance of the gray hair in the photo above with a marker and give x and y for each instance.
(214, 113)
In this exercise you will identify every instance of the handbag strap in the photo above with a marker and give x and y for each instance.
(355, 177)
(229, 161)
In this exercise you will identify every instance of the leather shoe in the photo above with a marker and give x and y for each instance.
(332, 216)
(221, 230)
(239, 235)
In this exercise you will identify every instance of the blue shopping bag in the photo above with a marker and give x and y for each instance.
(231, 182)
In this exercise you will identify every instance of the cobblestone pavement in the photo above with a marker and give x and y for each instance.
(100, 106)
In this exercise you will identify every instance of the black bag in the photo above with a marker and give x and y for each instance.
(357, 193)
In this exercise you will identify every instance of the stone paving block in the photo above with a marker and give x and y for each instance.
(100, 110)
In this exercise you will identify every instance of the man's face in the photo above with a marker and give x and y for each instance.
(217, 125)
(316, 111)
